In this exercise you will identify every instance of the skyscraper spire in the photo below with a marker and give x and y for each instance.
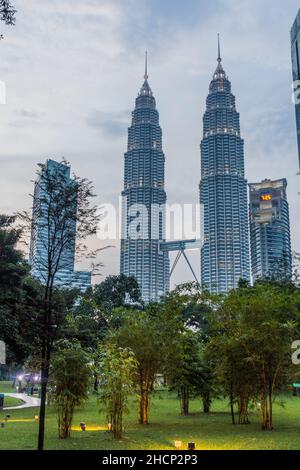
(143, 193)
(219, 50)
(219, 73)
(146, 66)
(223, 190)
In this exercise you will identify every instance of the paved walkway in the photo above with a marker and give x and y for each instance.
(29, 402)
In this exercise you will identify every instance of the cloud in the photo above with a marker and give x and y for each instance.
(112, 124)
(73, 69)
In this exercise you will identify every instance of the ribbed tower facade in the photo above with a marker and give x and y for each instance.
(144, 200)
(223, 191)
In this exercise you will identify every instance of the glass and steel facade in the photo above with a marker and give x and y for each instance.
(295, 45)
(270, 230)
(144, 199)
(66, 275)
(223, 191)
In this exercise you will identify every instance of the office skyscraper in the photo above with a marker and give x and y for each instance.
(144, 198)
(295, 43)
(270, 230)
(44, 223)
(223, 190)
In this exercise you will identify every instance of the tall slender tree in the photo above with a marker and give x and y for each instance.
(58, 208)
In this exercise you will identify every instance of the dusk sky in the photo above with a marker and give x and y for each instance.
(73, 69)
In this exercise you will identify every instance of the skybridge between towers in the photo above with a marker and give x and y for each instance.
(181, 246)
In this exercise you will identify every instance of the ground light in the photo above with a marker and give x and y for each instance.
(82, 426)
(178, 445)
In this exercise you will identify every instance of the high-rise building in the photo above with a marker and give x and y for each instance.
(295, 42)
(144, 199)
(223, 190)
(270, 230)
(44, 226)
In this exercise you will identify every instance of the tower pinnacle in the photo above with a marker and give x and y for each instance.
(146, 76)
(219, 49)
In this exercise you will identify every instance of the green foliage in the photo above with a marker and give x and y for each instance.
(70, 379)
(250, 344)
(116, 291)
(13, 272)
(116, 369)
(152, 335)
(187, 373)
(195, 308)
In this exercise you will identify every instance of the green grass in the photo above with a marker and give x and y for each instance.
(6, 387)
(9, 401)
(209, 432)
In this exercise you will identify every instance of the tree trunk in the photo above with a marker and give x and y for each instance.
(144, 407)
(265, 414)
(206, 402)
(44, 383)
(185, 401)
(271, 411)
(232, 406)
(96, 382)
(243, 409)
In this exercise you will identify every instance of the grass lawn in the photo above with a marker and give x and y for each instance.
(209, 432)
(9, 401)
(5, 387)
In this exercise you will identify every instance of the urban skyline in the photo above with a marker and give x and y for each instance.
(262, 152)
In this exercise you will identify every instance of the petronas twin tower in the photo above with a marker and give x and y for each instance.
(223, 191)
(144, 200)
(223, 195)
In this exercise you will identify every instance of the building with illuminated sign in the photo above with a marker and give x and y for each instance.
(144, 199)
(295, 45)
(223, 191)
(270, 230)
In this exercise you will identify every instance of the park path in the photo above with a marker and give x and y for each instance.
(29, 402)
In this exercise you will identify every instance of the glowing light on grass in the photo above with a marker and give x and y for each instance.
(89, 428)
(178, 445)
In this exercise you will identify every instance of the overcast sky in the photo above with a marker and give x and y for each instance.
(73, 68)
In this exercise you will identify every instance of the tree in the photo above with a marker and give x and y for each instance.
(186, 374)
(197, 307)
(116, 291)
(61, 207)
(152, 335)
(70, 377)
(116, 370)
(7, 12)
(13, 271)
(257, 326)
